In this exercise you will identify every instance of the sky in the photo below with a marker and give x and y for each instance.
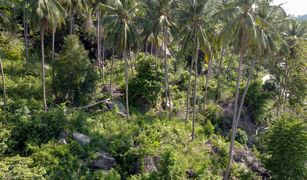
(294, 7)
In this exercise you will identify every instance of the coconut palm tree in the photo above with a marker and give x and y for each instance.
(47, 13)
(120, 21)
(193, 20)
(164, 24)
(243, 30)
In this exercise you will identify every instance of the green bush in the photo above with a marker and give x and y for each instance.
(260, 102)
(286, 149)
(147, 84)
(37, 129)
(74, 75)
(20, 168)
(241, 137)
(10, 46)
(208, 128)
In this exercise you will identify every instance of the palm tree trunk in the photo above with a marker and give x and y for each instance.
(43, 68)
(207, 82)
(102, 60)
(126, 80)
(146, 48)
(244, 93)
(111, 74)
(98, 42)
(3, 83)
(25, 25)
(188, 91)
(53, 52)
(167, 91)
(72, 20)
(218, 87)
(195, 91)
(234, 116)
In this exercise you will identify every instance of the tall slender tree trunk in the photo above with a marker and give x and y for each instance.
(244, 93)
(146, 48)
(53, 51)
(207, 82)
(218, 87)
(234, 115)
(126, 80)
(188, 91)
(156, 53)
(102, 60)
(131, 61)
(3, 83)
(111, 74)
(167, 90)
(25, 25)
(72, 20)
(98, 42)
(195, 91)
(151, 48)
(43, 68)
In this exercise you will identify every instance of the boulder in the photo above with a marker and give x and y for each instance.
(105, 161)
(81, 138)
(247, 157)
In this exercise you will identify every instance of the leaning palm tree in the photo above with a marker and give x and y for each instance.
(47, 12)
(122, 32)
(193, 20)
(242, 29)
(5, 20)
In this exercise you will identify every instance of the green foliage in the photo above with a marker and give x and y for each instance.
(19, 168)
(260, 102)
(208, 128)
(297, 82)
(4, 137)
(241, 137)
(10, 47)
(36, 129)
(74, 76)
(286, 143)
(146, 86)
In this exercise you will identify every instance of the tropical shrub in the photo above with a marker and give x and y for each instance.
(286, 148)
(74, 75)
(147, 84)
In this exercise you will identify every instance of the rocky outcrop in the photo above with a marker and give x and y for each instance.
(104, 161)
(247, 157)
(81, 138)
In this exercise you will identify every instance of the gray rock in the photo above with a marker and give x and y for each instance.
(105, 161)
(81, 138)
(62, 141)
